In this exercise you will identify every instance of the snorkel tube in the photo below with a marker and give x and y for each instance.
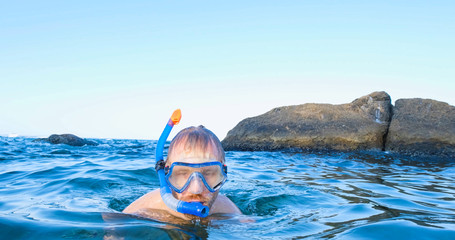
(193, 208)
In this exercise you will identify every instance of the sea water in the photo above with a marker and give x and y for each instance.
(63, 192)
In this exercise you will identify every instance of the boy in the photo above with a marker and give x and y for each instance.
(195, 174)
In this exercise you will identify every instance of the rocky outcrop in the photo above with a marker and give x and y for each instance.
(68, 139)
(413, 127)
(422, 126)
(359, 125)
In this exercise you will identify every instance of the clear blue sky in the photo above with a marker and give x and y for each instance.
(117, 69)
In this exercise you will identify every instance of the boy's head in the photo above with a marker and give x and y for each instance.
(195, 162)
(195, 142)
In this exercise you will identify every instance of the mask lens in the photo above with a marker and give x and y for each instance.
(179, 176)
(212, 175)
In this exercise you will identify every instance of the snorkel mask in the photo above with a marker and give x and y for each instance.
(180, 174)
(212, 174)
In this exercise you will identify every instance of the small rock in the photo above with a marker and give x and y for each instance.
(68, 139)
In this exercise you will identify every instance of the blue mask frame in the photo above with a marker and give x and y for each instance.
(168, 172)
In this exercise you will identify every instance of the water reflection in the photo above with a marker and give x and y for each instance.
(347, 190)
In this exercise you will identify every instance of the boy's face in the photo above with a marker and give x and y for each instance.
(196, 190)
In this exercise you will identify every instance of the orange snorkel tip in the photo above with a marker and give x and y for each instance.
(176, 116)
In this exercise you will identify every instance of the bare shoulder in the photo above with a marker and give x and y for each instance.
(153, 200)
(224, 205)
(149, 200)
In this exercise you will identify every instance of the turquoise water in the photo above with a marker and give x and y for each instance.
(63, 192)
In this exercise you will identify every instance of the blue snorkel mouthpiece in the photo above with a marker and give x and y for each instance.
(193, 208)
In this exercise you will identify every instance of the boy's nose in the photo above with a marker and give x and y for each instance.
(196, 186)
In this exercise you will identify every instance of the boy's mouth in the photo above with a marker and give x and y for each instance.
(196, 200)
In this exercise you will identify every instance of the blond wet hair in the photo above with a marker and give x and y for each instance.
(198, 140)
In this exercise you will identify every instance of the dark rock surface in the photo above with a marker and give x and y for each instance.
(68, 139)
(359, 125)
(422, 126)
